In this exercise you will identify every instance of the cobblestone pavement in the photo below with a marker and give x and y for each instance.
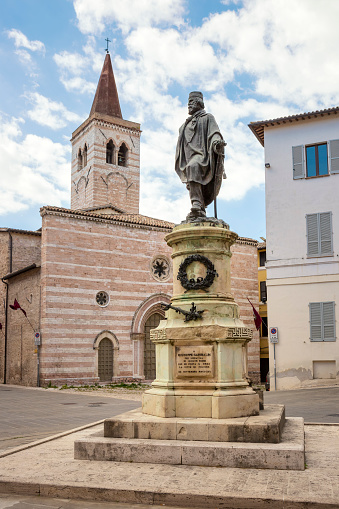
(30, 414)
(314, 405)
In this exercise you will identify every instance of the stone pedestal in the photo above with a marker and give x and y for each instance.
(200, 409)
(201, 364)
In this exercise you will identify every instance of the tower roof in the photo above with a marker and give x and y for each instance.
(106, 100)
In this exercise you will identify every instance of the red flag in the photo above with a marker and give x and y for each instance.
(256, 316)
(16, 306)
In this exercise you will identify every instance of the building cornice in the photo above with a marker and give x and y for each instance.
(21, 271)
(129, 220)
(107, 121)
(22, 232)
(245, 240)
(258, 128)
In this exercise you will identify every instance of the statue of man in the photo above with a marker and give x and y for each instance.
(199, 156)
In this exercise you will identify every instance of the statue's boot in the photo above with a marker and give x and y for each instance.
(197, 201)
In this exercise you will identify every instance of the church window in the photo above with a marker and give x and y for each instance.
(122, 155)
(110, 152)
(160, 268)
(80, 161)
(85, 155)
(102, 298)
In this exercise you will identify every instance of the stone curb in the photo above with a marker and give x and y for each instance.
(47, 439)
(189, 500)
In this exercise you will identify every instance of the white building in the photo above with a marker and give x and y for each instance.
(302, 234)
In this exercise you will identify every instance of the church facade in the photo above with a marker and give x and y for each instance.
(93, 278)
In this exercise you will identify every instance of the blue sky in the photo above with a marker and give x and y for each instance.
(253, 60)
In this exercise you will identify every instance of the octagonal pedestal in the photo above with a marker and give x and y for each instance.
(201, 364)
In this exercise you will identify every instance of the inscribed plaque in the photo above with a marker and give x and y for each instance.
(194, 361)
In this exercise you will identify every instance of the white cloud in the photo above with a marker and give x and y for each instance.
(24, 57)
(127, 14)
(21, 41)
(77, 84)
(73, 67)
(50, 113)
(33, 170)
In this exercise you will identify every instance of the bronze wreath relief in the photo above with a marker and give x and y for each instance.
(200, 283)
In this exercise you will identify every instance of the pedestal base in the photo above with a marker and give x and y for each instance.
(215, 405)
(241, 443)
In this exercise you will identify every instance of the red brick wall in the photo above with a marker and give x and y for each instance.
(79, 259)
(21, 352)
(25, 251)
(244, 284)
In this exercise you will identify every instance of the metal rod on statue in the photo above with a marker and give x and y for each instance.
(215, 208)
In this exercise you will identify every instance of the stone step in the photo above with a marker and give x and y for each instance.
(263, 428)
(289, 454)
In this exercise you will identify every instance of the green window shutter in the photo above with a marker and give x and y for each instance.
(322, 321)
(312, 234)
(315, 321)
(334, 156)
(298, 162)
(319, 234)
(328, 321)
(325, 233)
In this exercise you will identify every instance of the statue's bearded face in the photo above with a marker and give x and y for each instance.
(193, 105)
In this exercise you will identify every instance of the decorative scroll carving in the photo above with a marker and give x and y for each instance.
(240, 332)
(158, 334)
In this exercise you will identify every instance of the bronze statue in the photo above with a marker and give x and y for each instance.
(199, 159)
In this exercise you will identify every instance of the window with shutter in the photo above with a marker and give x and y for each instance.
(319, 234)
(334, 156)
(316, 160)
(298, 162)
(322, 321)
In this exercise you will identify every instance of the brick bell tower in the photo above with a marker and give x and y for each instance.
(106, 154)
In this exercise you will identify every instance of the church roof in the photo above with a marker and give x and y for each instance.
(136, 220)
(106, 100)
(24, 232)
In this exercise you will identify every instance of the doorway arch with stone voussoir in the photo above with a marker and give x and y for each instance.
(106, 346)
(147, 316)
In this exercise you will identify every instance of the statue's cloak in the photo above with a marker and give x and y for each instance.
(195, 159)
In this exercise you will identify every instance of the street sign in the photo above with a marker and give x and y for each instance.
(37, 339)
(273, 334)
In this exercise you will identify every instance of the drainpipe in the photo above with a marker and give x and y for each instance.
(10, 256)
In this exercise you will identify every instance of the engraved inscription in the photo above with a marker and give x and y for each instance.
(194, 361)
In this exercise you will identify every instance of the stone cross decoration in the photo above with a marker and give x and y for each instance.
(199, 159)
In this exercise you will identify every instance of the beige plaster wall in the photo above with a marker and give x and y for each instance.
(288, 309)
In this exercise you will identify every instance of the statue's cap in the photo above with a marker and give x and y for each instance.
(196, 94)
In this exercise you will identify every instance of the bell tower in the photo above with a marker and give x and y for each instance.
(106, 154)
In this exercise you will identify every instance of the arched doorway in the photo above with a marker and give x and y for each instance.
(105, 360)
(149, 349)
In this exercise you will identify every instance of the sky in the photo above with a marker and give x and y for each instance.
(252, 59)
